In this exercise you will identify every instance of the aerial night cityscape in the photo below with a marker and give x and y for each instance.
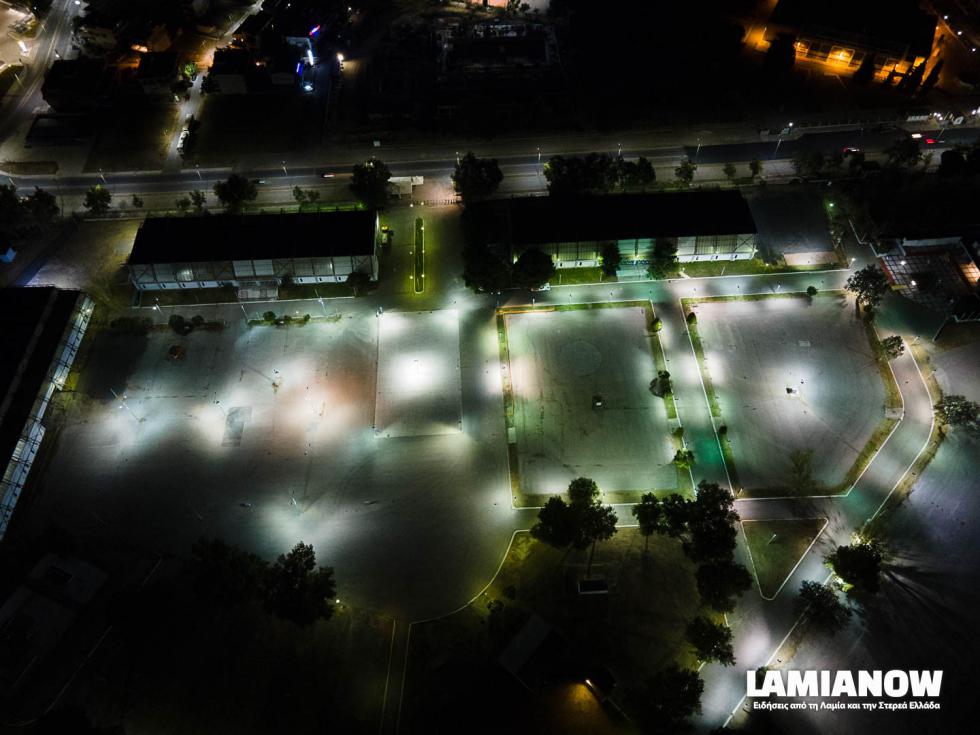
(422, 367)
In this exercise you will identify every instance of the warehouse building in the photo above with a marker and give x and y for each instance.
(705, 225)
(41, 330)
(254, 253)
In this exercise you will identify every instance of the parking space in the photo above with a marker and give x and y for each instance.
(565, 364)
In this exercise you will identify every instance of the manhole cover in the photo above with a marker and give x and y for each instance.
(580, 357)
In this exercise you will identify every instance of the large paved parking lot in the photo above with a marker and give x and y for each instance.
(264, 436)
(756, 350)
(559, 361)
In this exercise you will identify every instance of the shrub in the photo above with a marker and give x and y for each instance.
(722, 430)
(197, 320)
(176, 322)
(811, 291)
(286, 319)
(269, 316)
(679, 432)
(657, 324)
(306, 318)
(692, 318)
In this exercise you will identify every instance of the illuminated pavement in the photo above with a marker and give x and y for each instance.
(756, 351)
(558, 362)
(265, 436)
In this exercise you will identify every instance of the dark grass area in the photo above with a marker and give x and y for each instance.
(635, 631)
(135, 141)
(233, 125)
(777, 546)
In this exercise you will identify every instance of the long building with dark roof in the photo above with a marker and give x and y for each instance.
(40, 330)
(705, 225)
(254, 252)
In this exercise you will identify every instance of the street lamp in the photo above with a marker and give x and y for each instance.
(619, 150)
(284, 168)
(789, 129)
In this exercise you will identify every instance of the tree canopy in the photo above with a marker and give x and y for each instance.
(711, 641)
(820, 604)
(297, 589)
(533, 268)
(369, 182)
(869, 286)
(97, 199)
(858, 565)
(235, 192)
(720, 582)
(476, 177)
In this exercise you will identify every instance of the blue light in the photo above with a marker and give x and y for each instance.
(299, 67)
(314, 30)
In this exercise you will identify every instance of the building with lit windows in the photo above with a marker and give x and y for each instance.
(254, 253)
(704, 224)
(896, 35)
(40, 330)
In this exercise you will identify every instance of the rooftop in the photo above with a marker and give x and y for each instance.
(538, 220)
(32, 324)
(257, 236)
(156, 65)
(893, 22)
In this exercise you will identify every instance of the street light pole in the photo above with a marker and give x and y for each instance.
(284, 168)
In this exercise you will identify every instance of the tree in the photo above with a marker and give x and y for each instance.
(866, 72)
(611, 258)
(720, 582)
(662, 385)
(684, 172)
(893, 346)
(666, 700)
(475, 178)
(683, 458)
(729, 170)
(711, 641)
(857, 565)
(580, 523)
(956, 410)
(484, 269)
(780, 58)
(811, 291)
(824, 611)
(198, 200)
(183, 204)
(359, 282)
(663, 258)
(808, 163)
(532, 269)
(904, 152)
(711, 524)
(554, 524)
(41, 209)
(97, 199)
(299, 194)
(225, 573)
(676, 511)
(369, 182)
(952, 163)
(645, 173)
(869, 286)
(137, 201)
(235, 193)
(297, 589)
(649, 514)
(755, 168)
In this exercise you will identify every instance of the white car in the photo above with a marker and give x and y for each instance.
(183, 139)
